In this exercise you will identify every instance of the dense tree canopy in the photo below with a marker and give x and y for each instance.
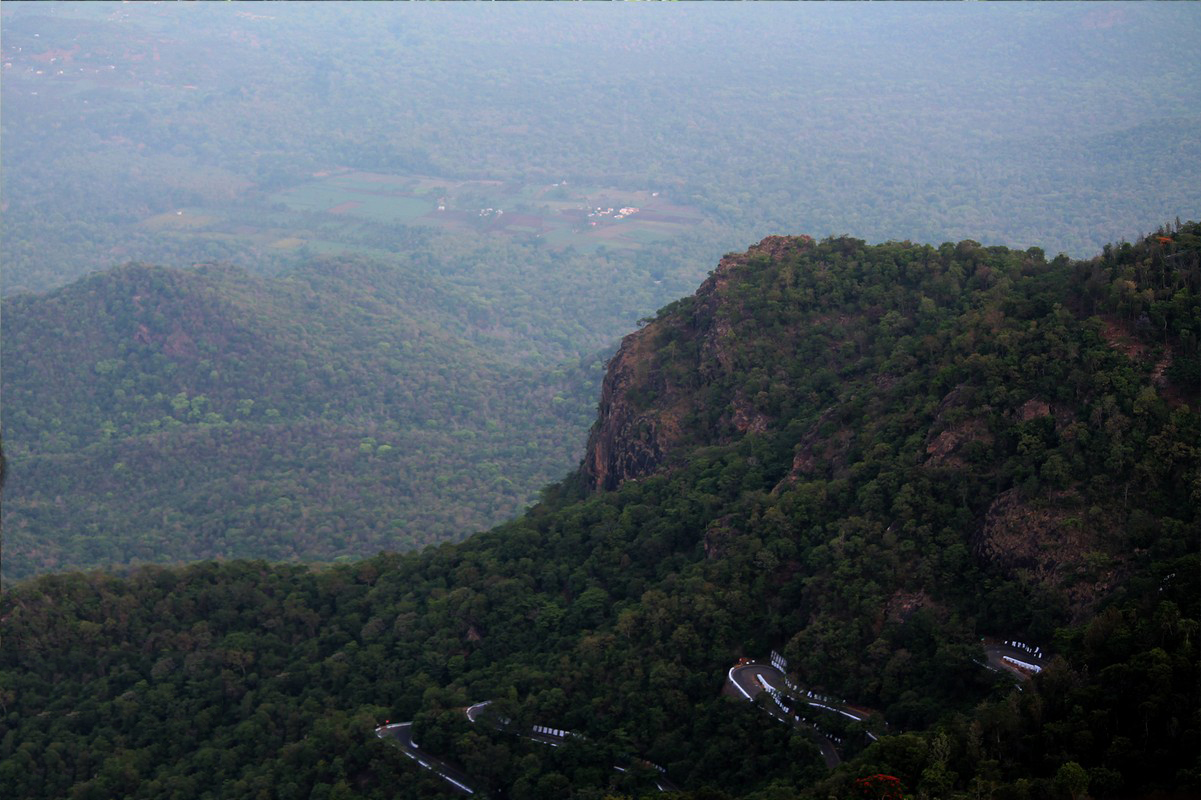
(324, 414)
(957, 442)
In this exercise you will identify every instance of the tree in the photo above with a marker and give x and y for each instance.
(1072, 780)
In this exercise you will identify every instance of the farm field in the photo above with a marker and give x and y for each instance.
(558, 214)
(333, 211)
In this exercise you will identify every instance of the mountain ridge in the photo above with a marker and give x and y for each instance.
(906, 391)
(647, 396)
(297, 396)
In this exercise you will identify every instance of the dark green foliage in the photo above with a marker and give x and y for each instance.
(953, 446)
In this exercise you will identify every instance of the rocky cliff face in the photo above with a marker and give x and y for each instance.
(652, 383)
(626, 441)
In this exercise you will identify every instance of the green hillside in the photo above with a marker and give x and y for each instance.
(345, 408)
(866, 457)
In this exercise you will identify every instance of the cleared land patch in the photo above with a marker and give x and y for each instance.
(559, 214)
(343, 209)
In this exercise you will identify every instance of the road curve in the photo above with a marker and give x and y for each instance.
(554, 737)
(474, 711)
(1014, 661)
(402, 733)
(751, 679)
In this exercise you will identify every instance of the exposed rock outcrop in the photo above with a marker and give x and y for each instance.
(642, 407)
(639, 422)
(821, 451)
(955, 430)
(1049, 543)
(626, 442)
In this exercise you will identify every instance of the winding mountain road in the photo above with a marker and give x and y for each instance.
(473, 712)
(746, 679)
(458, 781)
(751, 679)
(554, 737)
(402, 733)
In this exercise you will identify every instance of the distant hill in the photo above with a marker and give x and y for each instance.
(168, 415)
(873, 459)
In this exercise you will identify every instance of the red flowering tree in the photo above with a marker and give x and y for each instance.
(879, 787)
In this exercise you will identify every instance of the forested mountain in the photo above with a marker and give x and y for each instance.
(538, 181)
(866, 457)
(345, 408)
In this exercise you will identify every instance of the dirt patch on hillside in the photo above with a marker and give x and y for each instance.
(946, 449)
(1119, 334)
(903, 605)
(820, 455)
(1052, 542)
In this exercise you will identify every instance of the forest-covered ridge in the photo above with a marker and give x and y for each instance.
(870, 457)
(327, 130)
(343, 408)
